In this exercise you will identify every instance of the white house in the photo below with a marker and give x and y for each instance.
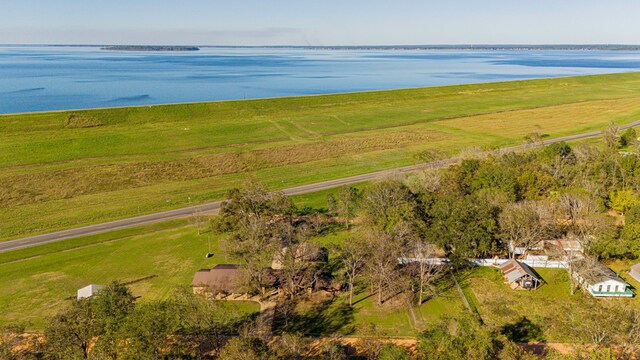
(88, 291)
(599, 280)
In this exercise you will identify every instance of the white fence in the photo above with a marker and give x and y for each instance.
(540, 263)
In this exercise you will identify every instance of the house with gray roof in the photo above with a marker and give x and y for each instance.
(598, 280)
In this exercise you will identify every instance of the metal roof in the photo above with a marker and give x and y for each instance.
(514, 270)
(595, 272)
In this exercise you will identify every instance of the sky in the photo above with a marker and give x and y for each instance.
(319, 22)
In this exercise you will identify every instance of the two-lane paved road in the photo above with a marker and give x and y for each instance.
(213, 207)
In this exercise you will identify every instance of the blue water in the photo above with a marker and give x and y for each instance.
(38, 78)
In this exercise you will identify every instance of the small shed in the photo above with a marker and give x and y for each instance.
(599, 280)
(519, 275)
(89, 291)
(224, 278)
(635, 271)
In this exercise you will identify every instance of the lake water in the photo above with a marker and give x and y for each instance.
(37, 78)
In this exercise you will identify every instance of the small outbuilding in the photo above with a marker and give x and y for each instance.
(89, 291)
(600, 281)
(224, 278)
(519, 275)
(635, 272)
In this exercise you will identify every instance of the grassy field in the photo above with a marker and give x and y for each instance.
(550, 307)
(65, 169)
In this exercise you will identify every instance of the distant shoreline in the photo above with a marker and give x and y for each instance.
(149, 48)
(469, 47)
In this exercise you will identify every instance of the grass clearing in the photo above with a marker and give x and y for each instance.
(550, 307)
(36, 288)
(145, 159)
(323, 315)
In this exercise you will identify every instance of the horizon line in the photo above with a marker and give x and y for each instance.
(335, 45)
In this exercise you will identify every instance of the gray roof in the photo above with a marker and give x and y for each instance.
(514, 270)
(635, 271)
(595, 272)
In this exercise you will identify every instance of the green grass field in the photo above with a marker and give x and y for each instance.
(550, 307)
(59, 171)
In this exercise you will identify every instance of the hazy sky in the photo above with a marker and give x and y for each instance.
(319, 22)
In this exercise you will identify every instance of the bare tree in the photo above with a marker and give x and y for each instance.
(198, 220)
(301, 262)
(630, 330)
(255, 243)
(425, 270)
(383, 259)
(353, 256)
(611, 136)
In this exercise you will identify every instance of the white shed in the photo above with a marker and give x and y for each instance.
(88, 291)
(599, 280)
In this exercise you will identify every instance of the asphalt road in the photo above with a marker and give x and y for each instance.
(213, 207)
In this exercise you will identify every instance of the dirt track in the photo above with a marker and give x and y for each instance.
(213, 207)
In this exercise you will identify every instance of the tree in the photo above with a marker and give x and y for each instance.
(147, 330)
(371, 341)
(302, 262)
(353, 256)
(463, 226)
(252, 200)
(423, 271)
(203, 321)
(456, 339)
(629, 138)
(251, 344)
(70, 334)
(244, 348)
(255, 241)
(393, 352)
(9, 339)
(611, 137)
(198, 220)
(520, 226)
(111, 305)
(380, 267)
(344, 203)
(623, 200)
(254, 220)
(289, 347)
(389, 203)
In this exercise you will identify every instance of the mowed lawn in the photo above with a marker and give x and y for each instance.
(146, 159)
(36, 288)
